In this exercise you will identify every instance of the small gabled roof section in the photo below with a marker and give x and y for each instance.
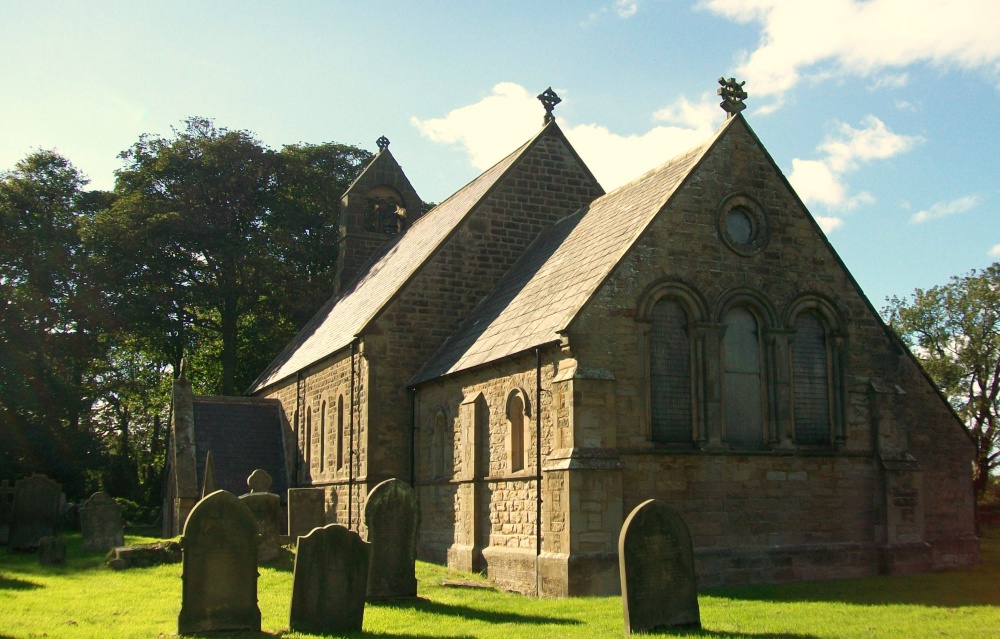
(243, 434)
(335, 326)
(561, 271)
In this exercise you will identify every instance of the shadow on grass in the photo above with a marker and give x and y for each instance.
(420, 604)
(13, 583)
(693, 632)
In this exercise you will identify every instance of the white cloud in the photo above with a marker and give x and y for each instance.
(828, 223)
(822, 181)
(860, 37)
(626, 8)
(944, 209)
(493, 127)
(995, 251)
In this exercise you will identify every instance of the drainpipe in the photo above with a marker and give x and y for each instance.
(538, 465)
(298, 407)
(350, 445)
(413, 438)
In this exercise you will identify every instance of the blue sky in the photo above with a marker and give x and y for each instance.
(880, 112)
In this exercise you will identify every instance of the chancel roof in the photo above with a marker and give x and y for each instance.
(243, 434)
(561, 271)
(345, 316)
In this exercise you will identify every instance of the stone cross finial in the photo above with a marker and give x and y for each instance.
(383, 143)
(549, 100)
(733, 96)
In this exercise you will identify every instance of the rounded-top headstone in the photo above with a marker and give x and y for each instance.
(220, 567)
(101, 523)
(659, 583)
(259, 481)
(392, 518)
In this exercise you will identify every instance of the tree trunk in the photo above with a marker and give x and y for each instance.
(229, 337)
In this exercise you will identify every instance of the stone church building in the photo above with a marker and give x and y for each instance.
(537, 357)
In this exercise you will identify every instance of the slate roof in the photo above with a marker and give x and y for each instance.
(244, 434)
(336, 324)
(560, 271)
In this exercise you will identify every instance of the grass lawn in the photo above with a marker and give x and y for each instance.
(86, 599)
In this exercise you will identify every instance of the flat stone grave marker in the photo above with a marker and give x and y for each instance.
(392, 518)
(35, 511)
(51, 551)
(659, 584)
(266, 509)
(219, 561)
(101, 523)
(330, 581)
(306, 510)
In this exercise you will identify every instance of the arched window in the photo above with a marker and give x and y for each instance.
(340, 432)
(518, 440)
(322, 438)
(742, 382)
(811, 379)
(670, 372)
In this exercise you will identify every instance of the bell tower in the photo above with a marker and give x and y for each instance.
(376, 209)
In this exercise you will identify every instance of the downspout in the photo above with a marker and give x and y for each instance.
(350, 445)
(298, 406)
(413, 438)
(538, 465)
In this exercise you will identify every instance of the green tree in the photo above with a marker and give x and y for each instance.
(954, 330)
(50, 322)
(218, 248)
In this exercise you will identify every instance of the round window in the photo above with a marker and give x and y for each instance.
(739, 225)
(742, 225)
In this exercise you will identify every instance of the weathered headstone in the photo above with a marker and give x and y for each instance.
(219, 567)
(35, 511)
(52, 551)
(391, 517)
(330, 581)
(306, 510)
(266, 509)
(659, 584)
(101, 523)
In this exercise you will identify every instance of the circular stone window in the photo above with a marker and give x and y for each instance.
(742, 225)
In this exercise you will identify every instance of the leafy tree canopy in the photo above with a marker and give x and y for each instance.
(954, 330)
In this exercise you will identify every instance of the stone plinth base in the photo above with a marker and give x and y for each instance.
(579, 575)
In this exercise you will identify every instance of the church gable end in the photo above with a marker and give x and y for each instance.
(546, 183)
(733, 304)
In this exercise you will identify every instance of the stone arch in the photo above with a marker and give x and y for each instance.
(518, 412)
(747, 318)
(669, 313)
(816, 360)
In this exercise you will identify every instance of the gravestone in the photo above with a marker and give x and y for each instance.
(101, 523)
(330, 581)
(34, 512)
(306, 510)
(266, 509)
(392, 518)
(52, 551)
(219, 575)
(659, 585)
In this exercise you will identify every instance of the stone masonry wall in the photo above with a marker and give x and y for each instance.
(546, 184)
(500, 503)
(326, 383)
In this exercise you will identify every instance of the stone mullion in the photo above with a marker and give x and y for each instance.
(711, 337)
(780, 386)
